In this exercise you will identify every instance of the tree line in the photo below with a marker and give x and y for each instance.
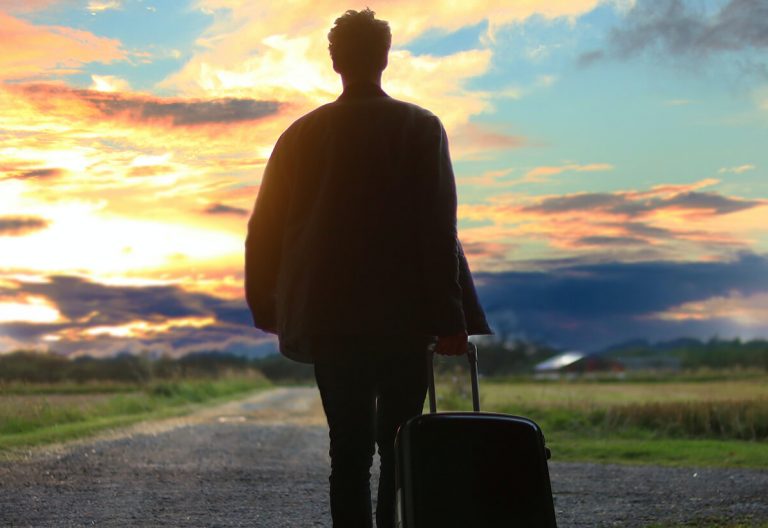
(693, 354)
(498, 357)
(48, 367)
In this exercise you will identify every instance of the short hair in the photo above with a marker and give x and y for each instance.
(359, 43)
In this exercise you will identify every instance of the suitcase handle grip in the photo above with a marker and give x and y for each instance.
(472, 359)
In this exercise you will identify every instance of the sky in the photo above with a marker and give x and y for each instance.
(610, 159)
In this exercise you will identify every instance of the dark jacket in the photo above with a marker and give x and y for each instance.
(354, 228)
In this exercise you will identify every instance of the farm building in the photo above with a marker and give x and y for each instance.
(576, 363)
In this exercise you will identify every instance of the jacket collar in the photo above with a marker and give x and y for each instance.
(361, 90)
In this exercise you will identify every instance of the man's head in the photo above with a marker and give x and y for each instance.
(359, 44)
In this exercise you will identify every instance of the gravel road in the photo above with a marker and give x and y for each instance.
(262, 462)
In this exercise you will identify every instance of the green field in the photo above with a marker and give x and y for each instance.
(692, 422)
(32, 414)
(681, 423)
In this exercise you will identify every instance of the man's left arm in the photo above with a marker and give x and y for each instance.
(263, 245)
(439, 246)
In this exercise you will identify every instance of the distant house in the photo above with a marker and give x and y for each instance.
(573, 363)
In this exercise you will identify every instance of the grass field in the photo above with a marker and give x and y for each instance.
(701, 422)
(705, 423)
(32, 414)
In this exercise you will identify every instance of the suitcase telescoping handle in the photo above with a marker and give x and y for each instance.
(472, 359)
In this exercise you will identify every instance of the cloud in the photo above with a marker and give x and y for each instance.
(109, 83)
(41, 173)
(173, 340)
(287, 60)
(597, 240)
(475, 141)
(85, 303)
(144, 108)
(738, 169)
(746, 309)
(79, 299)
(20, 6)
(590, 57)
(500, 178)
(668, 222)
(21, 225)
(106, 223)
(626, 203)
(493, 254)
(594, 305)
(103, 5)
(221, 209)
(31, 51)
(25, 173)
(103, 319)
(570, 304)
(678, 28)
(140, 171)
(709, 202)
(542, 173)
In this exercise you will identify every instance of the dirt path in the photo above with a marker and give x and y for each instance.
(262, 462)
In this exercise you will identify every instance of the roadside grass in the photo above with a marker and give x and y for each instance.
(496, 391)
(708, 423)
(66, 387)
(642, 449)
(42, 415)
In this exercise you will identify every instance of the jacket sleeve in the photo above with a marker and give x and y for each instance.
(474, 315)
(263, 245)
(438, 238)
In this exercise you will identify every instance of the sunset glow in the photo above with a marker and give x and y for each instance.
(134, 135)
(29, 309)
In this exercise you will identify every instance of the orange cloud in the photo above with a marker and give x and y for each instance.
(98, 105)
(745, 310)
(287, 59)
(628, 225)
(109, 83)
(407, 19)
(29, 51)
(488, 254)
(540, 174)
(123, 181)
(473, 141)
(28, 308)
(500, 179)
(20, 225)
(488, 179)
(670, 190)
(136, 329)
(19, 6)
(57, 127)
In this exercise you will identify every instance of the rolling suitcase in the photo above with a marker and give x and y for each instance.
(471, 469)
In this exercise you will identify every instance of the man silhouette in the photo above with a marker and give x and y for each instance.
(352, 258)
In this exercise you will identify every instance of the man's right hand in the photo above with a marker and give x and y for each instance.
(454, 345)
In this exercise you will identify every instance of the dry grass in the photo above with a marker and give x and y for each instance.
(736, 410)
(587, 394)
(706, 423)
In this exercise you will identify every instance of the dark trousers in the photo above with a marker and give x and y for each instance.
(369, 386)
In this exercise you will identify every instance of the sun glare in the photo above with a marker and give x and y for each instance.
(28, 310)
(141, 329)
